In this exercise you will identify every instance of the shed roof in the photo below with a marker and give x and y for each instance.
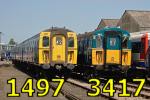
(141, 17)
(109, 22)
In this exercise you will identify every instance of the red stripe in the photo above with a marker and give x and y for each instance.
(144, 40)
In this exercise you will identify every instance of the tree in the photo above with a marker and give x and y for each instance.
(12, 42)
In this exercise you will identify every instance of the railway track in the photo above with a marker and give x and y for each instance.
(131, 88)
(65, 93)
(87, 87)
(73, 90)
(145, 93)
(145, 90)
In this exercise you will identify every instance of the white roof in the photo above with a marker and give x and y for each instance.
(136, 36)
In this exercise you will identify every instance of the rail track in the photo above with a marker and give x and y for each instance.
(87, 87)
(73, 95)
(145, 90)
(65, 93)
(75, 83)
(131, 88)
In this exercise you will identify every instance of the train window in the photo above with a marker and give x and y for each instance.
(90, 43)
(148, 42)
(142, 47)
(137, 47)
(99, 41)
(58, 40)
(94, 36)
(70, 42)
(112, 41)
(45, 41)
(125, 43)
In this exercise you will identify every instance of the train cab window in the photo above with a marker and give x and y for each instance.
(70, 42)
(99, 41)
(125, 43)
(112, 41)
(58, 40)
(45, 41)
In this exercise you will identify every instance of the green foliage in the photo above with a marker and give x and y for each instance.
(12, 42)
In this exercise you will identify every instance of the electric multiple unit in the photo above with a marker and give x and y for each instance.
(55, 47)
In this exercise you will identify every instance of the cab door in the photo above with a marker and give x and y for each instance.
(113, 49)
(58, 48)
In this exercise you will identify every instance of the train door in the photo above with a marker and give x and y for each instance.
(58, 48)
(112, 49)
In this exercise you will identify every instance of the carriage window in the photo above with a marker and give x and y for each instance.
(137, 47)
(90, 43)
(142, 47)
(45, 41)
(70, 42)
(148, 42)
(58, 40)
(99, 41)
(112, 41)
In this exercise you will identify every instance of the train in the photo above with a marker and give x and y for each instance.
(140, 53)
(52, 49)
(108, 49)
(5, 55)
(101, 52)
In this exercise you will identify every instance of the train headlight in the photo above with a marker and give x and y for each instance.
(46, 66)
(70, 66)
(58, 67)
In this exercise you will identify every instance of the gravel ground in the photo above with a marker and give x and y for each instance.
(80, 92)
(8, 72)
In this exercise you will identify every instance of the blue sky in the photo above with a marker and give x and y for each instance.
(21, 19)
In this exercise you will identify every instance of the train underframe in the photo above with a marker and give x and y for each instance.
(34, 70)
(114, 72)
(139, 72)
(46, 70)
(63, 70)
(110, 71)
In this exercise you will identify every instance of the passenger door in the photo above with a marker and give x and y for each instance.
(58, 48)
(113, 48)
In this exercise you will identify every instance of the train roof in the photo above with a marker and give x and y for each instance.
(85, 35)
(57, 29)
(102, 31)
(136, 36)
(140, 32)
(63, 30)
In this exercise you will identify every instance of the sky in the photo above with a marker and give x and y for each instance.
(21, 19)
